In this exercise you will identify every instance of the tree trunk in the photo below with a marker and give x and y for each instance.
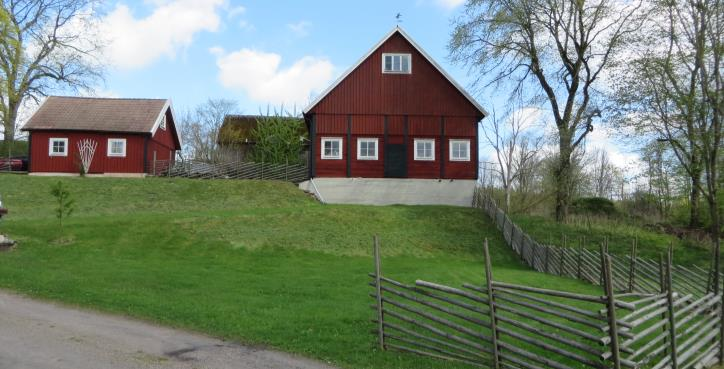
(695, 195)
(563, 178)
(9, 123)
(507, 199)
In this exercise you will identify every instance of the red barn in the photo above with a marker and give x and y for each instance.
(124, 135)
(394, 114)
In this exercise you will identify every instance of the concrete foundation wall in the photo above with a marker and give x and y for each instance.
(390, 191)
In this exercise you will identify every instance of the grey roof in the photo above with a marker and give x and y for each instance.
(98, 114)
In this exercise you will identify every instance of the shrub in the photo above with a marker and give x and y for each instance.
(597, 206)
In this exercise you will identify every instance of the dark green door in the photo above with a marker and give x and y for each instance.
(395, 161)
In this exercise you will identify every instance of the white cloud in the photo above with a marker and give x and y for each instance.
(171, 26)
(233, 12)
(450, 4)
(245, 25)
(300, 29)
(261, 77)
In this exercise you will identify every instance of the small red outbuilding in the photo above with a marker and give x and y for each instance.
(122, 136)
(395, 114)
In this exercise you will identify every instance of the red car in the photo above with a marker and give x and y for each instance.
(11, 164)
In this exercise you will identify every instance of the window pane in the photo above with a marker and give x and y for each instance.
(405, 63)
(396, 66)
(388, 62)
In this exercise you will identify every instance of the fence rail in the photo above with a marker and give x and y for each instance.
(504, 325)
(631, 273)
(229, 170)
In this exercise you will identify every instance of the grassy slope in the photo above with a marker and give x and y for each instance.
(620, 236)
(256, 262)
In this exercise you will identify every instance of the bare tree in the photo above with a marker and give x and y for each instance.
(44, 45)
(561, 46)
(602, 174)
(200, 128)
(515, 147)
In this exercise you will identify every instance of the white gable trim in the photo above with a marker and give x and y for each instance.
(159, 118)
(377, 46)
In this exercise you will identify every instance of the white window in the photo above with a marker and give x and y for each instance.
(425, 149)
(332, 148)
(163, 123)
(396, 63)
(117, 147)
(58, 147)
(366, 149)
(459, 150)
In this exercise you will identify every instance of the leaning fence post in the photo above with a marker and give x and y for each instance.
(547, 257)
(561, 267)
(611, 309)
(670, 307)
(378, 287)
(491, 303)
(580, 254)
(632, 263)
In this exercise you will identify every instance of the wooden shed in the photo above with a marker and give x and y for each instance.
(394, 114)
(124, 135)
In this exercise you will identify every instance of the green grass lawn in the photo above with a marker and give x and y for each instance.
(254, 262)
(620, 235)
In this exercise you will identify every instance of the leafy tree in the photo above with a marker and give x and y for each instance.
(44, 45)
(561, 47)
(674, 90)
(65, 205)
(279, 139)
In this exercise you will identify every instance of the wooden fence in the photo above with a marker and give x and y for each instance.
(229, 170)
(631, 273)
(504, 325)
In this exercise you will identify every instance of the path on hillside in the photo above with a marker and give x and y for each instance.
(43, 335)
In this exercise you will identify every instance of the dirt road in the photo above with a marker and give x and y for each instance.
(42, 335)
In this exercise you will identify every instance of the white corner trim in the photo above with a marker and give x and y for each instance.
(377, 46)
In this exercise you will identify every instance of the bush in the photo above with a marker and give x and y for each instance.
(16, 149)
(597, 206)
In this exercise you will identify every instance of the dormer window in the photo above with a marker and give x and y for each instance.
(396, 63)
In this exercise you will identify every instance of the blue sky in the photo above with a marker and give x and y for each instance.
(230, 49)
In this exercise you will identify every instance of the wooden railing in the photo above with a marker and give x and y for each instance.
(631, 273)
(229, 170)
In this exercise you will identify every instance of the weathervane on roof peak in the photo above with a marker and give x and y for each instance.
(398, 17)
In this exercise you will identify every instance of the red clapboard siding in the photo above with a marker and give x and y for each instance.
(42, 162)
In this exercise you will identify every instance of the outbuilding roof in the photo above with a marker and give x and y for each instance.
(98, 114)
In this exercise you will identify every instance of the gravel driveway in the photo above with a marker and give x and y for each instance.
(42, 335)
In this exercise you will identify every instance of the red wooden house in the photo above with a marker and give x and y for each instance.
(395, 114)
(126, 135)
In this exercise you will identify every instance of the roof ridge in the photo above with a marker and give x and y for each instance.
(105, 98)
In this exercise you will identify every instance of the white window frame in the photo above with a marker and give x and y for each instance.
(467, 145)
(53, 140)
(332, 139)
(368, 140)
(432, 148)
(393, 55)
(162, 125)
(110, 146)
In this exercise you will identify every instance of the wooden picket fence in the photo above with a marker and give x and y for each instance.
(503, 325)
(631, 273)
(229, 170)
